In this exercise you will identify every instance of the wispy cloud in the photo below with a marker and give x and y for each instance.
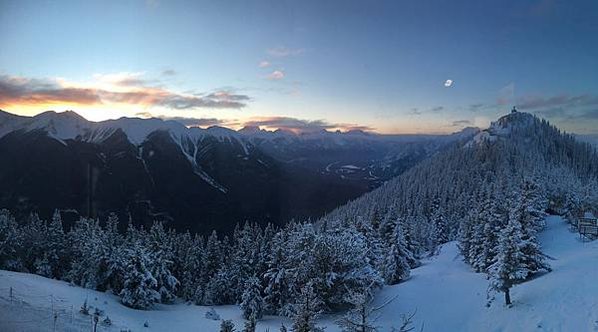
(506, 95)
(461, 123)
(286, 123)
(301, 126)
(124, 79)
(415, 111)
(475, 107)
(125, 88)
(169, 72)
(264, 64)
(282, 51)
(188, 121)
(536, 102)
(276, 75)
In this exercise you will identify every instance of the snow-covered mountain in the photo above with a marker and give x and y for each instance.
(517, 150)
(195, 178)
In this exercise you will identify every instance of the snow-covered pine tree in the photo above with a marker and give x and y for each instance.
(227, 326)
(140, 286)
(307, 310)
(244, 260)
(55, 247)
(33, 242)
(276, 291)
(10, 242)
(212, 260)
(439, 222)
(362, 316)
(43, 267)
(87, 243)
(522, 209)
(395, 267)
(252, 303)
(250, 324)
(340, 264)
(111, 260)
(187, 263)
(160, 254)
(508, 267)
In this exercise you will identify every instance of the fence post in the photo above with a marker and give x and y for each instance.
(10, 295)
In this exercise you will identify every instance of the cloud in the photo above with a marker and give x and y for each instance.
(475, 107)
(448, 83)
(437, 109)
(17, 90)
(276, 75)
(169, 72)
(568, 115)
(123, 79)
(282, 51)
(415, 111)
(187, 121)
(301, 126)
(196, 122)
(535, 102)
(264, 64)
(506, 95)
(461, 123)
(115, 88)
(225, 95)
(145, 115)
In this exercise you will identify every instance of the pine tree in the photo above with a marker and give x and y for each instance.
(395, 268)
(363, 314)
(187, 263)
(307, 310)
(276, 278)
(87, 243)
(161, 252)
(11, 241)
(250, 324)
(206, 292)
(524, 209)
(227, 326)
(252, 303)
(55, 247)
(508, 268)
(43, 267)
(140, 286)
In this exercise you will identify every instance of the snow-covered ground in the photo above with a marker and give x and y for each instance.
(444, 292)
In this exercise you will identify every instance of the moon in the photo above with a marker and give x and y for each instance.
(448, 83)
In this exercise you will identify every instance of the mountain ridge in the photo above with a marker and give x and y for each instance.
(198, 179)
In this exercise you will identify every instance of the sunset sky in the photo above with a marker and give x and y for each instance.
(309, 65)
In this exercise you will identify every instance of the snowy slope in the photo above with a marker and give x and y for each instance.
(444, 292)
(449, 297)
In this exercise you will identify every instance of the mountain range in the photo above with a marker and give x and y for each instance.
(193, 178)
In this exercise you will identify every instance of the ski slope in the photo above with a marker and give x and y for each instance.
(445, 294)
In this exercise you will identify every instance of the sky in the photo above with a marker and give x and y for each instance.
(383, 66)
